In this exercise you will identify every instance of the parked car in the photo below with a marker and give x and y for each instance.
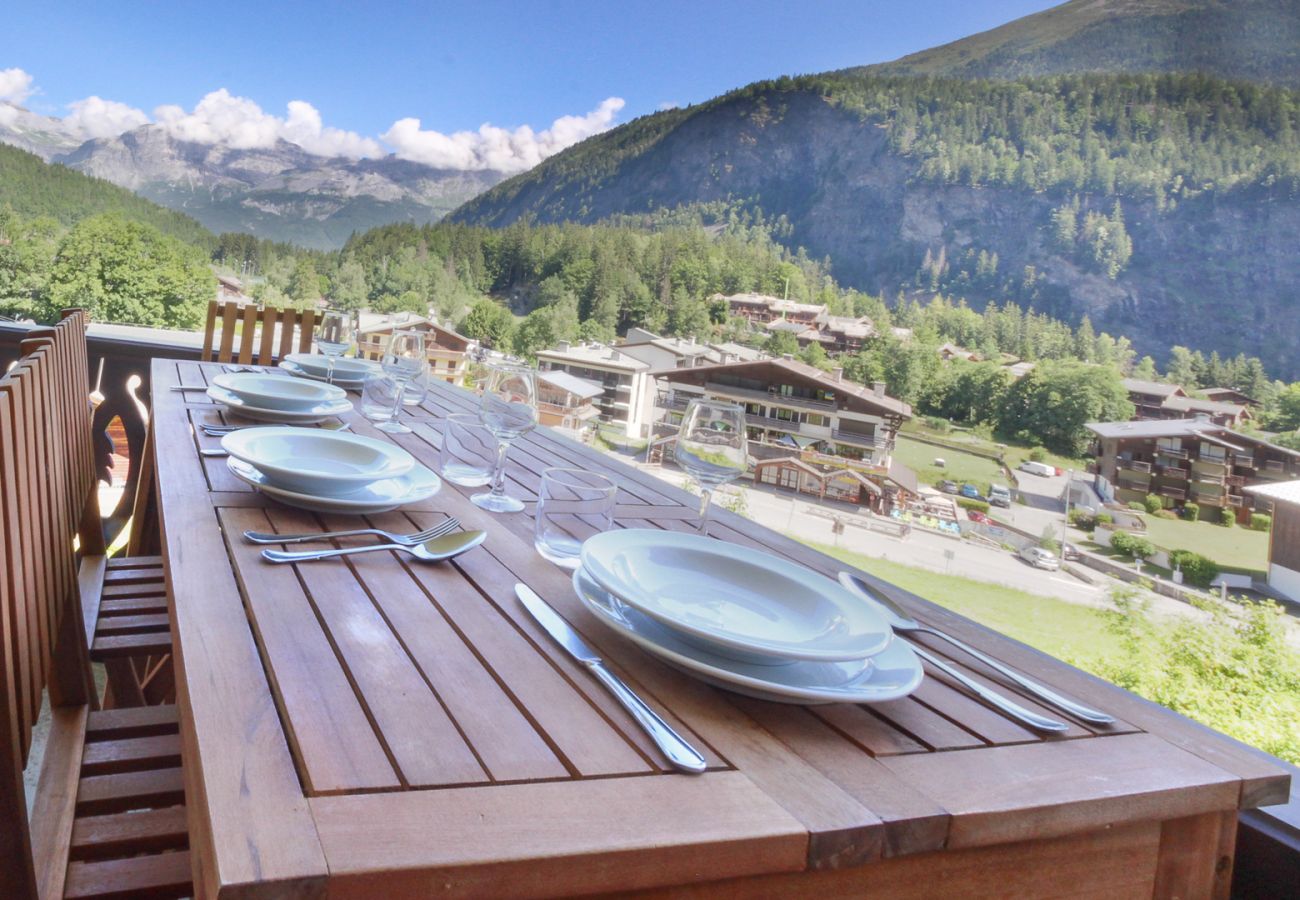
(976, 516)
(970, 492)
(948, 487)
(1069, 552)
(1000, 495)
(1040, 558)
(1037, 468)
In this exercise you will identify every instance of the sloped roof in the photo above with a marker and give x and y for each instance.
(890, 405)
(1153, 388)
(1215, 407)
(579, 387)
(903, 476)
(1286, 491)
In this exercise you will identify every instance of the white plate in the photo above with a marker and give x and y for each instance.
(278, 391)
(892, 673)
(380, 496)
(284, 416)
(315, 461)
(348, 371)
(733, 598)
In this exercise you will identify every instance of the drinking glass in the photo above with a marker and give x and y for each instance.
(712, 448)
(508, 409)
(572, 505)
(403, 362)
(379, 392)
(468, 451)
(333, 337)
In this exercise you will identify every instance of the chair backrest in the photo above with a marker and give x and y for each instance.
(46, 481)
(258, 330)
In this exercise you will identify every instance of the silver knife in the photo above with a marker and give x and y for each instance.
(681, 754)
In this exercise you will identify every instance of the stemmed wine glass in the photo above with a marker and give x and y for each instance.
(333, 337)
(712, 448)
(403, 362)
(508, 409)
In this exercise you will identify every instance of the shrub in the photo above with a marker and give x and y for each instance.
(938, 423)
(1260, 522)
(1083, 519)
(1191, 511)
(1165, 514)
(1131, 545)
(977, 505)
(1048, 540)
(1038, 454)
(1137, 506)
(1197, 569)
(1227, 517)
(1105, 518)
(1153, 503)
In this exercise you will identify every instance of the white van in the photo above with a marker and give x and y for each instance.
(1037, 468)
(1000, 495)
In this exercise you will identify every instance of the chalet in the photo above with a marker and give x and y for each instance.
(810, 431)
(949, 351)
(1149, 396)
(565, 401)
(1229, 395)
(1186, 460)
(449, 353)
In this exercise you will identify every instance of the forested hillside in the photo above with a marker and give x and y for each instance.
(33, 188)
(1257, 40)
(1184, 191)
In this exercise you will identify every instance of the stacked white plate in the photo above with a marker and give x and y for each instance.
(349, 373)
(278, 398)
(742, 620)
(328, 471)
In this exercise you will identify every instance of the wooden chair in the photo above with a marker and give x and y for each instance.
(257, 333)
(109, 816)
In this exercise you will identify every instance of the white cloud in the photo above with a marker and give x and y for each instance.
(15, 85)
(95, 117)
(497, 148)
(221, 117)
(668, 104)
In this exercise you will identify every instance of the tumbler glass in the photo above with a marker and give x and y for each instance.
(468, 452)
(572, 505)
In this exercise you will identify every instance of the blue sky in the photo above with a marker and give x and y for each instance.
(365, 65)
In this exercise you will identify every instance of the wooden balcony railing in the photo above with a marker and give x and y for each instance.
(1171, 452)
(1174, 473)
(1173, 493)
(1135, 465)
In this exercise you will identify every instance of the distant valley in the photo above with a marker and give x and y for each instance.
(282, 193)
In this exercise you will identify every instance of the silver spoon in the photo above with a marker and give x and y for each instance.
(435, 550)
(903, 623)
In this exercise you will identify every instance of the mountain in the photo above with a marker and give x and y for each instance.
(1257, 40)
(1163, 207)
(282, 192)
(32, 187)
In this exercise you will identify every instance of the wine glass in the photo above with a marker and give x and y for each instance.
(333, 337)
(403, 362)
(508, 409)
(712, 447)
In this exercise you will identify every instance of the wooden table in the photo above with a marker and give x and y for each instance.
(376, 727)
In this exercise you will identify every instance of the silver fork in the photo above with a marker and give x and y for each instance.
(407, 540)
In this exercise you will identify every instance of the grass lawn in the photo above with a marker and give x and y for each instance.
(961, 467)
(1014, 454)
(1065, 630)
(1236, 547)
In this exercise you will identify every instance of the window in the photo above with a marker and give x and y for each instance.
(816, 419)
(789, 477)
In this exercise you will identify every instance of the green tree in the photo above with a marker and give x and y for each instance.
(1052, 404)
(124, 271)
(1285, 414)
(304, 283)
(490, 323)
(27, 249)
(348, 286)
(780, 343)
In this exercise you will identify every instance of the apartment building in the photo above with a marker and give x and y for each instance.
(1184, 460)
(1284, 538)
(627, 393)
(809, 430)
(449, 352)
(1157, 400)
(666, 353)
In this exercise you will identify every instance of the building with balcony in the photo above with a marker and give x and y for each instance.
(626, 401)
(666, 353)
(1157, 400)
(1187, 460)
(809, 430)
(566, 401)
(448, 352)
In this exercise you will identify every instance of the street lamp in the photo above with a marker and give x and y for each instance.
(1065, 525)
